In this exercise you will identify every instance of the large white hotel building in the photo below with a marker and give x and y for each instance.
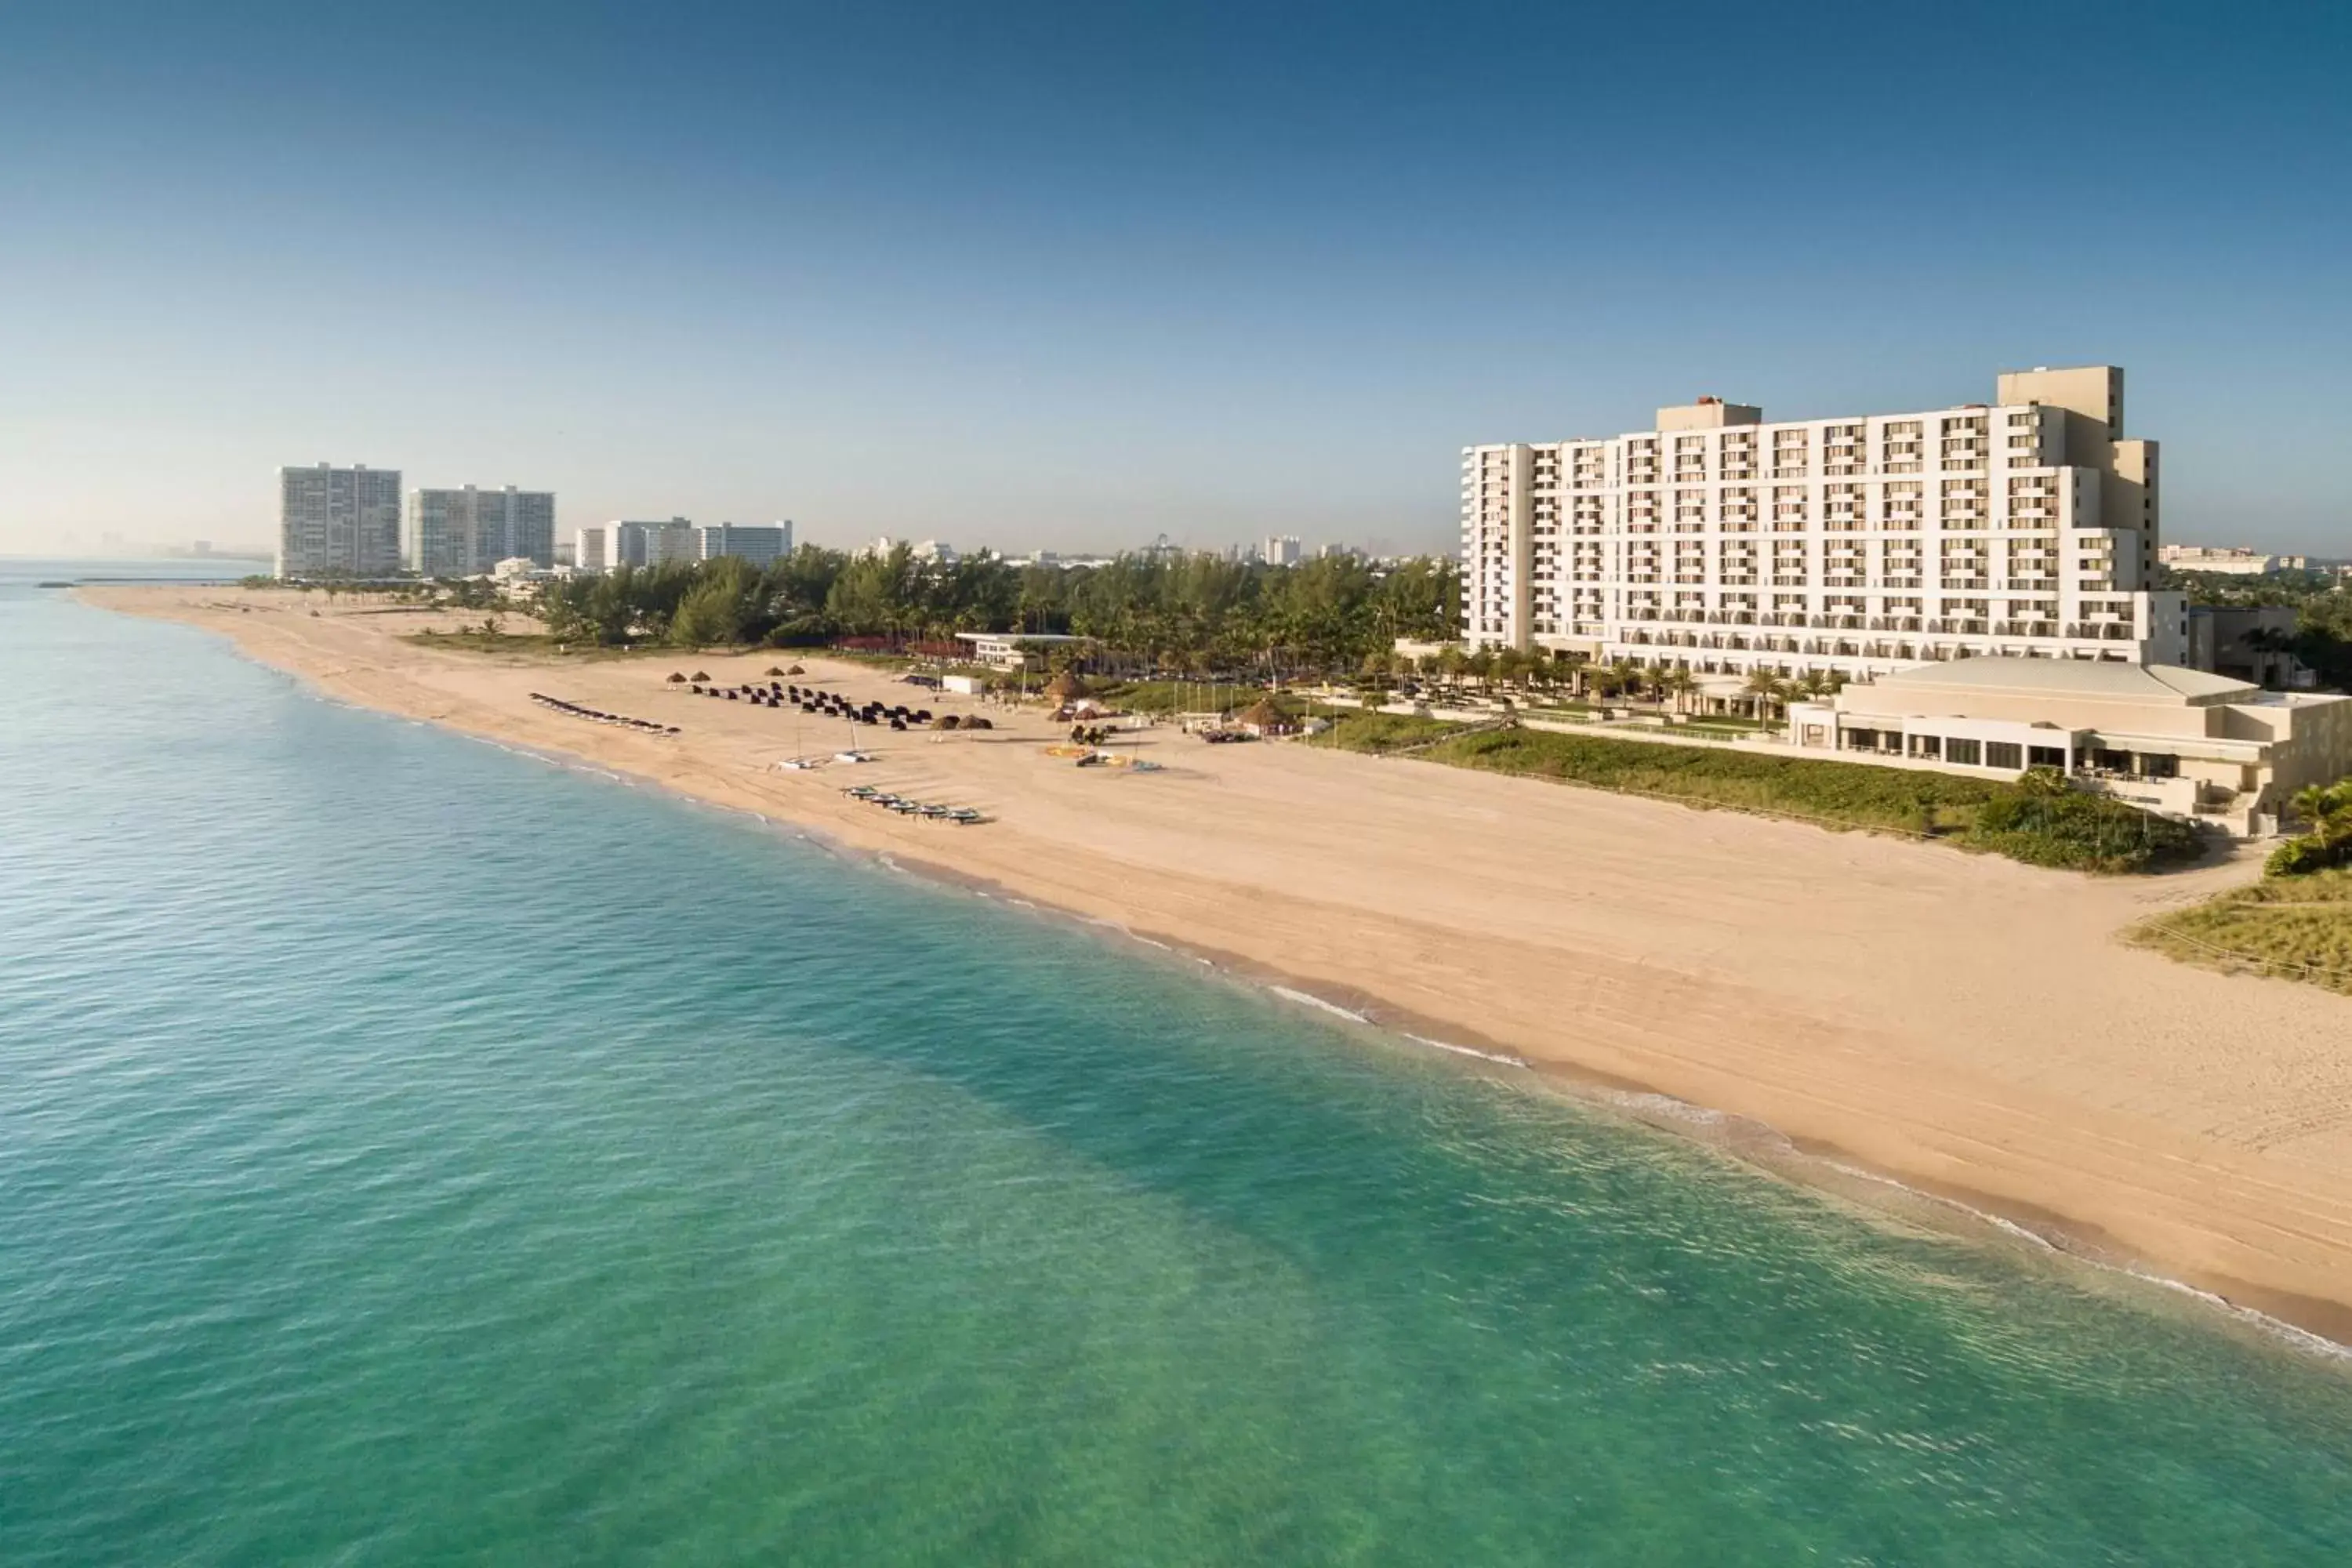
(1723, 544)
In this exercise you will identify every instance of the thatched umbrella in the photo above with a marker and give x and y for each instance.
(1262, 715)
(796, 669)
(977, 722)
(1066, 687)
(701, 675)
(774, 670)
(675, 679)
(946, 722)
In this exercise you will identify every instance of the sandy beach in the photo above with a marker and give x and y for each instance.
(1967, 1025)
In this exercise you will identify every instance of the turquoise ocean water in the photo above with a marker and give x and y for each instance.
(414, 1151)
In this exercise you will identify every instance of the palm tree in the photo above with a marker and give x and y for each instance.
(1575, 664)
(1680, 683)
(1763, 688)
(2326, 809)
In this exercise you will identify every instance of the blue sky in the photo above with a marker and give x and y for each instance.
(1049, 275)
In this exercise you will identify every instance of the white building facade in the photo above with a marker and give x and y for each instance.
(465, 532)
(2232, 561)
(760, 544)
(643, 543)
(338, 522)
(1281, 549)
(1723, 544)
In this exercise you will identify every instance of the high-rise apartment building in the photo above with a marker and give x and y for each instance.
(654, 543)
(465, 532)
(343, 522)
(1723, 544)
(758, 544)
(591, 549)
(1281, 549)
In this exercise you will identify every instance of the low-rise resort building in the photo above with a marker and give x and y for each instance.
(2183, 742)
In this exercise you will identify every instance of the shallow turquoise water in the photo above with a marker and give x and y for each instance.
(415, 1151)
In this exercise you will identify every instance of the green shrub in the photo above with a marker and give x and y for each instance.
(2030, 822)
(2086, 831)
(2302, 857)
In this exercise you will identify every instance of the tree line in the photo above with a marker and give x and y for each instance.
(1193, 612)
(2321, 603)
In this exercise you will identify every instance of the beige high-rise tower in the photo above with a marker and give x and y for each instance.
(1722, 544)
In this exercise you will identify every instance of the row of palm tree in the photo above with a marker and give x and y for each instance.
(1767, 693)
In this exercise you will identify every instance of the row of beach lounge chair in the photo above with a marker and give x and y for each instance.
(597, 716)
(962, 816)
(809, 700)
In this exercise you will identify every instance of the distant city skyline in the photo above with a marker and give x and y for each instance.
(1070, 278)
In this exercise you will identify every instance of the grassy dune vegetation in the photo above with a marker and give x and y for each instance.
(2297, 927)
(2067, 830)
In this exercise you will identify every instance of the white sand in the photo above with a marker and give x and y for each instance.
(1965, 1023)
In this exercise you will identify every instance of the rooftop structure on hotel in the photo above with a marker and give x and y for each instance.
(1862, 544)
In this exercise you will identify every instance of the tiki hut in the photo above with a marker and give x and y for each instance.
(796, 669)
(1065, 687)
(1264, 718)
(675, 679)
(774, 670)
(701, 675)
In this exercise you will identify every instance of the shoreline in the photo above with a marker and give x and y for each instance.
(366, 666)
(1823, 1170)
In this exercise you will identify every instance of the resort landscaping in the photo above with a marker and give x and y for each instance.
(2293, 927)
(2039, 821)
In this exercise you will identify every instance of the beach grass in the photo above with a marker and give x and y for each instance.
(2297, 928)
(2080, 832)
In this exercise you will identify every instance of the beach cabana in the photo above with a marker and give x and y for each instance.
(675, 679)
(1263, 718)
(701, 675)
(1065, 688)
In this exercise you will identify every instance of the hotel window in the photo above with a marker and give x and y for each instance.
(1967, 752)
(2004, 754)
